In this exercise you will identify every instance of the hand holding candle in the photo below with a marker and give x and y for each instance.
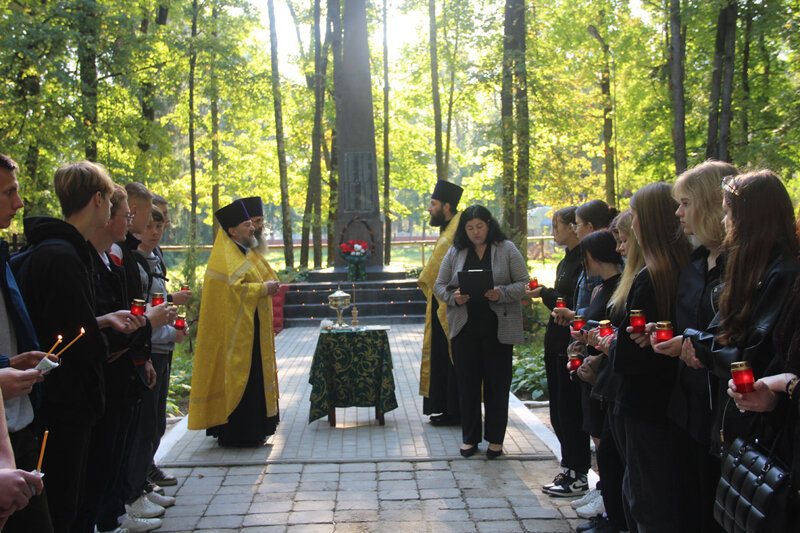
(574, 362)
(742, 374)
(561, 303)
(158, 298)
(663, 331)
(578, 322)
(138, 307)
(605, 328)
(58, 341)
(41, 452)
(638, 321)
(533, 283)
(71, 343)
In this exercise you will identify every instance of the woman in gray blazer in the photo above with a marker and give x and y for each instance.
(484, 328)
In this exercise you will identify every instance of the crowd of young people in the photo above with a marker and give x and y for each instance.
(102, 409)
(716, 255)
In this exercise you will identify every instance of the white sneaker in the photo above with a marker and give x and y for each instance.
(593, 508)
(139, 525)
(116, 530)
(158, 499)
(586, 498)
(144, 508)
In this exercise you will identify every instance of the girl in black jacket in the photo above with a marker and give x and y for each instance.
(565, 395)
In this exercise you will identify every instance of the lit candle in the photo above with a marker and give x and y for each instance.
(574, 362)
(41, 452)
(561, 302)
(663, 331)
(137, 307)
(743, 377)
(354, 294)
(185, 287)
(533, 284)
(58, 341)
(638, 321)
(158, 298)
(180, 322)
(578, 322)
(71, 343)
(606, 328)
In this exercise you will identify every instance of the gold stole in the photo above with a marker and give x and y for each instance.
(426, 280)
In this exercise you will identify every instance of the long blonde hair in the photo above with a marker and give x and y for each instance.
(702, 185)
(634, 262)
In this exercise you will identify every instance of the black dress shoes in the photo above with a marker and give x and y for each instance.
(445, 420)
(468, 452)
(493, 454)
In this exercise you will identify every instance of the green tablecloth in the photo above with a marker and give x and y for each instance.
(351, 369)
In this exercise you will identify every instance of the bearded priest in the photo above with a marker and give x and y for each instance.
(234, 392)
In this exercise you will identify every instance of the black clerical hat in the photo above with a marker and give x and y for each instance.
(447, 192)
(232, 214)
(254, 206)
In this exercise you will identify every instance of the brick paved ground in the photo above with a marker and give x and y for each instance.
(406, 476)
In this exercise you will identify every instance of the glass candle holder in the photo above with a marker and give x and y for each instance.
(606, 328)
(574, 362)
(578, 322)
(742, 374)
(638, 321)
(663, 331)
(138, 307)
(561, 303)
(180, 322)
(533, 284)
(158, 298)
(184, 287)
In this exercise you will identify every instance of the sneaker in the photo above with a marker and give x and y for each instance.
(158, 499)
(556, 480)
(159, 477)
(116, 530)
(586, 498)
(571, 484)
(593, 508)
(143, 508)
(152, 487)
(595, 521)
(139, 525)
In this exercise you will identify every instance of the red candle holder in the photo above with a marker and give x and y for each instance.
(606, 328)
(180, 322)
(158, 298)
(574, 362)
(663, 331)
(185, 287)
(638, 321)
(137, 307)
(578, 322)
(561, 303)
(742, 375)
(533, 284)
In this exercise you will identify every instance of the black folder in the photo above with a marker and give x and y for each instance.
(475, 283)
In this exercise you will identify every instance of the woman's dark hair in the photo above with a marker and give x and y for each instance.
(461, 240)
(565, 215)
(763, 226)
(597, 213)
(603, 247)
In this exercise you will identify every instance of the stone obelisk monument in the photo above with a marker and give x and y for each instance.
(358, 178)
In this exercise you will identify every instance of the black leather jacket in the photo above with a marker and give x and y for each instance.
(556, 338)
(759, 348)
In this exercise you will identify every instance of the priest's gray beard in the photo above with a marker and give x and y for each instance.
(260, 245)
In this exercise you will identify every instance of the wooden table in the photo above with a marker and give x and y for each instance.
(352, 369)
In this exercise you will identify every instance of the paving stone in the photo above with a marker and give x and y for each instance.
(493, 513)
(266, 519)
(320, 467)
(536, 512)
(313, 477)
(272, 496)
(398, 494)
(356, 505)
(310, 517)
(498, 526)
(395, 475)
(315, 495)
(244, 497)
(281, 477)
(314, 505)
(476, 503)
(248, 490)
(357, 467)
(284, 468)
(346, 478)
(271, 506)
(311, 528)
(397, 485)
(447, 515)
(268, 487)
(355, 515)
(546, 526)
(391, 526)
(179, 509)
(444, 503)
(394, 466)
(306, 486)
(179, 523)
(427, 494)
(432, 465)
(209, 471)
(264, 529)
(365, 527)
(451, 527)
(227, 509)
(218, 522)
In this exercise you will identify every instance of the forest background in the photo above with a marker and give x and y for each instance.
(524, 103)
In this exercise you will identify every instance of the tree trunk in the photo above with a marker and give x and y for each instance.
(315, 173)
(441, 171)
(214, 97)
(676, 49)
(88, 27)
(387, 208)
(712, 146)
(507, 115)
(451, 97)
(748, 35)
(726, 113)
(520, 228)
(286, 212)
(192, 257)
(335, 27)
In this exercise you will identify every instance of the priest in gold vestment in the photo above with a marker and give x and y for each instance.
(437, 378)
(234, 392)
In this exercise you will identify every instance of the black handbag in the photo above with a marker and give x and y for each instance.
(753, 491)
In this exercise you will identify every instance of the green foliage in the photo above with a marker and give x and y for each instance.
(528, 377)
